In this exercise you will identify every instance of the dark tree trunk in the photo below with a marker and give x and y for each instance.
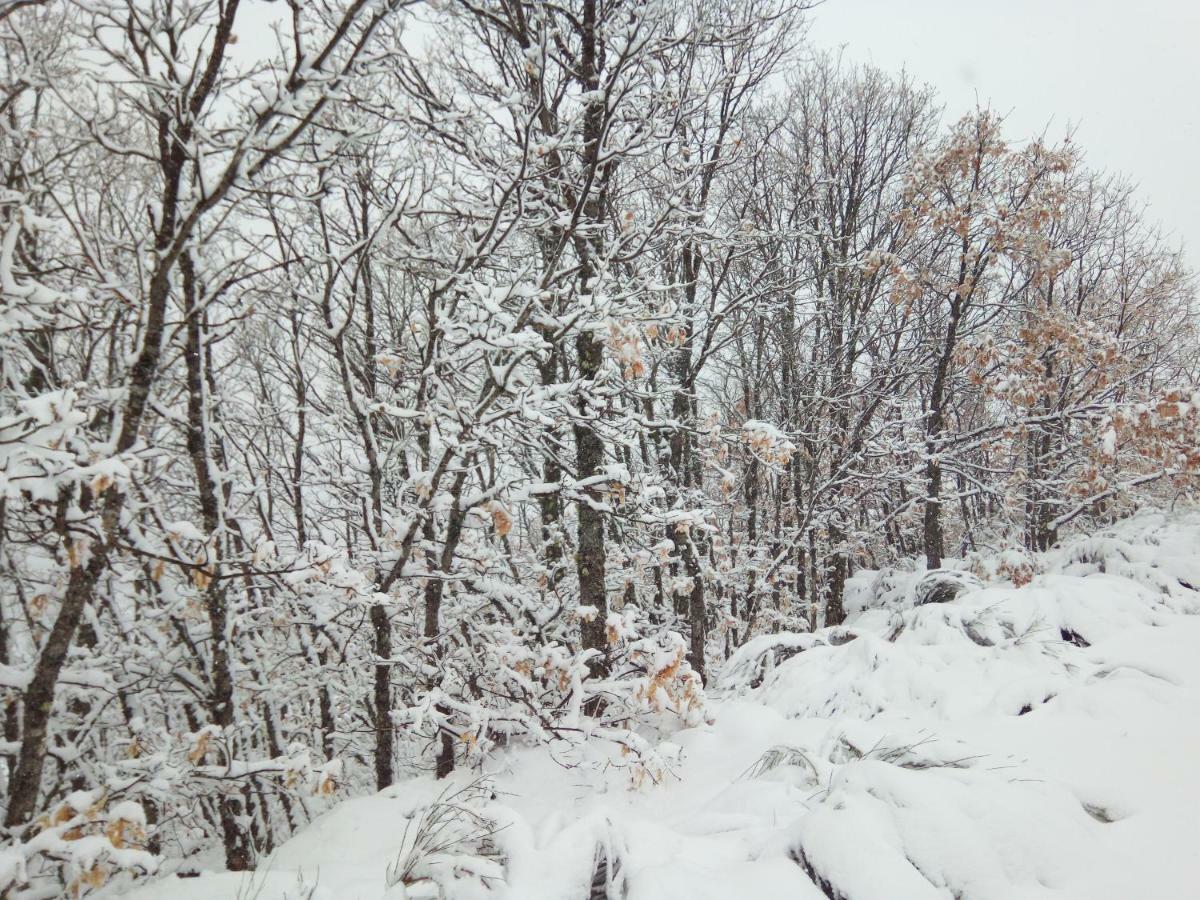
(589, 447)
(589, 462)
(200, 441)
(835, 578)
(433, 605)
(381, 626)
(39, 696)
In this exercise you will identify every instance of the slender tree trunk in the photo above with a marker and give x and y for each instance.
(550, 501)
(434, 589)
(238, 851)
(589, 462)
(933, 537)
(39, 696)
(835, 578)
(682, 538)
(589, 447)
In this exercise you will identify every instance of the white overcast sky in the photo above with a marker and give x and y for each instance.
(1126, 73)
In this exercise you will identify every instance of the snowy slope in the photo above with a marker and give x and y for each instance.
(1012, 743)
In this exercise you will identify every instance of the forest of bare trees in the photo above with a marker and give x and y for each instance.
(383, 383)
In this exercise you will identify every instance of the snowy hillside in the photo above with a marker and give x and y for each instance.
(1008, 743)
(506, 391)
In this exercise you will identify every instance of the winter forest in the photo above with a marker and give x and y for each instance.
(663, 457)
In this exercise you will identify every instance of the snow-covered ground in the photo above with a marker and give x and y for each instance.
(1011, 743)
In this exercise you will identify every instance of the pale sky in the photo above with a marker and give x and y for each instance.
(1125, 72)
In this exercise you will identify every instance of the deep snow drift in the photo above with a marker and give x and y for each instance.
(1010, 743)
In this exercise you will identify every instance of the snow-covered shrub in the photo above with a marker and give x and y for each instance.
(886, 588)
(942, 586)
(1163, 560)
(499, 684)
(78, 847)
(755, 660)
(929, 818)
(1017, 566)
(608, 867)
(446, 848)
(781, 757)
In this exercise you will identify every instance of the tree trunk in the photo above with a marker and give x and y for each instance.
(200, 449)
(589, 447)
(589, 462)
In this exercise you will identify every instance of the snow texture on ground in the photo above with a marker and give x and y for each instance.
(1008, 744)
